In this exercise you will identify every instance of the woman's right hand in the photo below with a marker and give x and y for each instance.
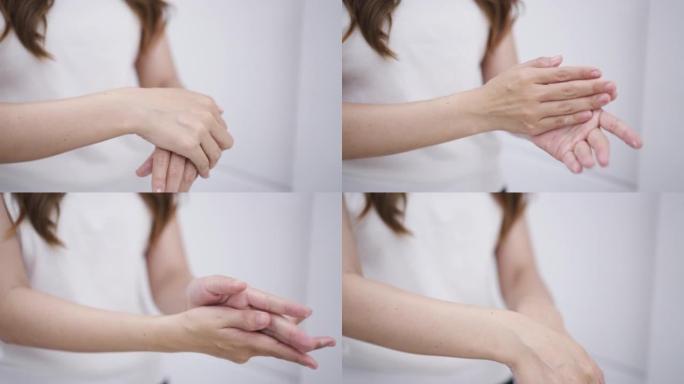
(228, 333)
(181, 121)
(545, 356)
(538, 96)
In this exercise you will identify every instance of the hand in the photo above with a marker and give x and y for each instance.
(180, 121)
(285, 315)
(170, 172)
(229, 334)
(535, 97)
(573, 145)
(545, 356)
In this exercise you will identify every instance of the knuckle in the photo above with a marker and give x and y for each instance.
(563, 75)
(568, 91)
(565, 108)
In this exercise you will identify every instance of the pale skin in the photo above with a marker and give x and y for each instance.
(537, 99)
(186, 127)
(529, 337)
(214, 315)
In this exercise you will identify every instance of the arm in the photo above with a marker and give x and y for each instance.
(384, 315)
(521, 284)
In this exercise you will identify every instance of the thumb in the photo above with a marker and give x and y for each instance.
(544, 62)
(145, 169)
(223, 285)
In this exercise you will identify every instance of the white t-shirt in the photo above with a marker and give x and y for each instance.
(102, 266)
(94, 44)
(449, 256)
(439, 44)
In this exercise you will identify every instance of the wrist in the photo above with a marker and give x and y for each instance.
(127, 116)
(512, 349)
(470, 107)
(165, 334)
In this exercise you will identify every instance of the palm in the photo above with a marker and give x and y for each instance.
(576, 145)
(560, 143)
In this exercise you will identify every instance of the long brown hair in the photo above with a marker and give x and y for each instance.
(374, 20)
(391, 207)
(29, 21)
(42, 211)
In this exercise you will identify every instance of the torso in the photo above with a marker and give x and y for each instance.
(94, 44)
(102, 265)
(449, 256)
(439, 44)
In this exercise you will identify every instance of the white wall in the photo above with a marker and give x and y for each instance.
(667, 311)
(662, 160)
(248, 56)
(268, 241)
(597, 253)
(633, 42)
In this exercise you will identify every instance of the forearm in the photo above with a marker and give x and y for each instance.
(386, 316)
(384, 129)
(528, 295)
(31, 318)
(170, 292)
(33, 131)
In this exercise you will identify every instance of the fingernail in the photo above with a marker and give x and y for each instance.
(610, 86)
(159, 190)
(596, 73)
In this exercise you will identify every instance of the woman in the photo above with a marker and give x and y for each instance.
(416, 116)
(425, 274)
(77, 272)
(71, 114)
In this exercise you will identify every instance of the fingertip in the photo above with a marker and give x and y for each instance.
(262, 320)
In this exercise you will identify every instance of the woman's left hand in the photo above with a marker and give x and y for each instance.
(170, 171)
(575, 146)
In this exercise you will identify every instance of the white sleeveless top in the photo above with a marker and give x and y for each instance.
(102, 266)
(94, 44)
(449, 256)
(439, 45)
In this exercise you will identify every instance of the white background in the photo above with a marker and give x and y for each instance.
(614, 264)
(637, 44)
(286, 244)
(274, 67)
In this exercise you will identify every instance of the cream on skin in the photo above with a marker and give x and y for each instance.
(528, 99)
(214, 315)
(529, 337)
(184, 123)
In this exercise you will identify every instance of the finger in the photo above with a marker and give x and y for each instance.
(265, 345)
(211, 149)
(563, 74)
(570, 161)
(174, 176)
(221, 135)
(200, 159)
(146, 168)
(223, 285)
(244, 319)
(569, 107)
(324, 342)
(290, 334)
(160, 166)
(277, 305)
(544, 62)
(555, 122)
(575, 89)
(617, 127)
(189, 177)
(583, 153)
(601, 146)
